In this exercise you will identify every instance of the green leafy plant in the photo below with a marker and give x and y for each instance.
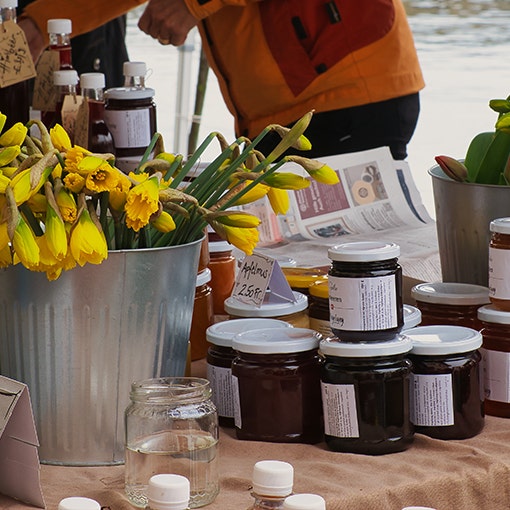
(487, 157)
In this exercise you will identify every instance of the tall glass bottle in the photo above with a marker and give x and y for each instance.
(59, 33)
(15, 98)
(66, 83)
(99, 137)
(134, 74)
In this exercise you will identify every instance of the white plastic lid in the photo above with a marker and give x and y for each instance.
(203, 277)
(66, 77)
(451, 293)
(222, 333)
(272, 478)
(334, 347)
(437, 340)
(59, 26)
(304, 502)
(134, 68)
(364, 251)
(127, 93)
(219, 246)
(8, 4)
(78, 503)
(268, 309)
(412, 316)
(276, 340)
(489, 313)
(92, 81)
(500, 225)
(168, 492)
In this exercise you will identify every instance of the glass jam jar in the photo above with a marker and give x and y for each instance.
(318, 309)
(496, 359)
(300, 279)
(365, 291)
(219, 360)
(499, 262)
(203, 315)
(446, 401)
(450, 303)
(412, 317)
(365, 395)
(293, 312)
(276, 378)
(222, 264)
(172, 427)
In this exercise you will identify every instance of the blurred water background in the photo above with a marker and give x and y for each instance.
(463, 46)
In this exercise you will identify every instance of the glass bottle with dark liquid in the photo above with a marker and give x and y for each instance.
(66, 83)
(15, 98)
(100, 139)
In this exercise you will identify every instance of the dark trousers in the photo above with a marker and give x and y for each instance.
(387, 123)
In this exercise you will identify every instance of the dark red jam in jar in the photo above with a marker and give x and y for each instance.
(365, 395)
(496, 359)
(365, 291)
(276, 378)
(446, 400)
(450, 303)
(219, 360)
(499, 260)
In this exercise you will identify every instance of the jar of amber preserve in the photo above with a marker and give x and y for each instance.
(365, 291)
(365, 395)
(276, 378)
(450, 303)
(293, 312)
(301, 278)
(499, 263)
(446, 381)
(219, 360)
(496, 359)
(223, 273)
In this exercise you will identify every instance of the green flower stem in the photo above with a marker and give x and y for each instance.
(148, 151)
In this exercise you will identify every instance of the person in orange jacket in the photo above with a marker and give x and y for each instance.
(353, 63)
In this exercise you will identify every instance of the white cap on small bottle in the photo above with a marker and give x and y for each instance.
(60, 26)
(304, 502)
(168, 492)
(272, 478)
(8, 4)
(78, 503)
(66, 77)
(92, 80)
(134, 68)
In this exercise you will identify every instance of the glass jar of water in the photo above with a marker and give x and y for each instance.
(172, 427)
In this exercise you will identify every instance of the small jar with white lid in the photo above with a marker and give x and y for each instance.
(276, 379)
(412, 317)
(304, 502)
(365, 291)
(78, 503)
(499, 263)
(446, 400)
(496, 359)
(293, 312)
(365, 395)
(272, 482)
(168, 492)
(452, 303)
(220, 356)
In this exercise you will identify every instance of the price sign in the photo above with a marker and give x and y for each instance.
(258, 275)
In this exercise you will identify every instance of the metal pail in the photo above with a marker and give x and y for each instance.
(463, 215)
(80, 341)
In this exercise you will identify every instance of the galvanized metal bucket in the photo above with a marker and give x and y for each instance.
(80, 341)
(463, 215)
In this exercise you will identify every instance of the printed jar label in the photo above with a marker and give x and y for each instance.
(496, 375)
(499, 267)
(129, 128)
(222, 390)
(339, 405)
(363, 304)
(432, 400)
(237, 402)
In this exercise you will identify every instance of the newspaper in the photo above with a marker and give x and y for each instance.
(376, 199)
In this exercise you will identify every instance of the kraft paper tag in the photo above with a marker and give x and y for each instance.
(258, 275)
(45, 92)
(70, 108)
(81, 128)
(16, 63)
(19, 468)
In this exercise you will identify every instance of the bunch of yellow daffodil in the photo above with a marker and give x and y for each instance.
(61, 205)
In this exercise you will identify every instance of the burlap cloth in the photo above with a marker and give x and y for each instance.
(470, 474)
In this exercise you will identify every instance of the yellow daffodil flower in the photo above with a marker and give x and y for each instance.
(117, 196)
(4, 235)
(9, 154)
(9, 171)
(74, 182)
(3, 118)
(66, 204)
(57, 171)
(100, 175)
(4, 182)
(29, 181)
(37, 204)
(317, 170)
(163, 222)
(5, 256)
(141, 203)
(46, 258)
(15, 135)
(25, 245)
(243, 238)
(55, 233)
(279, 200)
(60, 138)
(258, 191)
(74, 157)
(286, 180)
(87, 242)
(235, 219)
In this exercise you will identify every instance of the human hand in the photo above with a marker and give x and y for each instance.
(168, 21)
(34, 37)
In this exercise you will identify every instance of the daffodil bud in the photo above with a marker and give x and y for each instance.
(286, 180)
(15, 135)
